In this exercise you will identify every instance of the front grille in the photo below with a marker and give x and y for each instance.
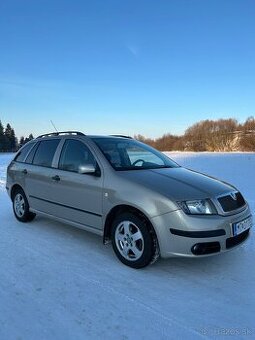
(234, 241)
(229, 203)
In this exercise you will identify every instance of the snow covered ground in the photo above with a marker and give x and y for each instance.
(58, 282)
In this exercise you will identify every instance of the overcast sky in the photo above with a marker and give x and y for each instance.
(147, 67)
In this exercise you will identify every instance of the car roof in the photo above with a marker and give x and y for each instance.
(108, 136)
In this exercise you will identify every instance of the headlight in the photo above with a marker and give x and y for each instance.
(198, 207)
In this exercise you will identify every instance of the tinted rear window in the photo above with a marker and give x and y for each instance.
(23, 152)
(45, 152)
(31, 154)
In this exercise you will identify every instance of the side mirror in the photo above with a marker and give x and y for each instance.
(87, 169)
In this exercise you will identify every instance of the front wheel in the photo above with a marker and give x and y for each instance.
(21, 207)
(133, 241)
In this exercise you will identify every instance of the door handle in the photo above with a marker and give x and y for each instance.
(56, 178)
(24, 171)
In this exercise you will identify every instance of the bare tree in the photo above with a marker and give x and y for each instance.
(247, 142)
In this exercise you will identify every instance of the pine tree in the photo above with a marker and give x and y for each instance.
(28, 139)
(31, 137)
(8, 137)
(2, 138)
(21, 141)
(13, 141)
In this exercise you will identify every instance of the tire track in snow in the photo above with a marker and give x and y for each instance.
(145, 306)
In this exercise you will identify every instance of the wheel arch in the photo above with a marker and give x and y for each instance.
(120, 209)
(13, 189)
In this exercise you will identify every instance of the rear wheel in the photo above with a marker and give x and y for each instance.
(21, 206)
(132, 240)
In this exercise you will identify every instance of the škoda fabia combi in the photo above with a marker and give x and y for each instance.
(132, 195)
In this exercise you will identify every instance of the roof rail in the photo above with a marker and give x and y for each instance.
(61, 133)
(123, 136)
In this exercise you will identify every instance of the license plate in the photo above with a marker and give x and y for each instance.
(241, 226)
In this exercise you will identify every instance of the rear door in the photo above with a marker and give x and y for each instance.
(39, 170)
(17, 170)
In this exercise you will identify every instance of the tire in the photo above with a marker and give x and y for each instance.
(21, 207)
(132, 240)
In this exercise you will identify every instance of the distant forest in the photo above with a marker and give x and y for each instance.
(206, 135)
(209, 135)
(9, 141)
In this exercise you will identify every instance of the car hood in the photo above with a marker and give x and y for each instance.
(178, 183)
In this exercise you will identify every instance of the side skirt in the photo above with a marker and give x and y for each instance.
(69, 222)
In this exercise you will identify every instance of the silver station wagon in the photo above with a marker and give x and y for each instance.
(132, 195)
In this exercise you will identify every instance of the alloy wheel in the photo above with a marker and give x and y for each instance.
(129, 240)
(19, 205)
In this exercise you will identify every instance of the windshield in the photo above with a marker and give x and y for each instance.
(129, 154)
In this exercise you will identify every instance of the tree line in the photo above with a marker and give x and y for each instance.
(206, 135)
(9, 141)
(209, 135)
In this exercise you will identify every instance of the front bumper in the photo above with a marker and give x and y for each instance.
(178, 233)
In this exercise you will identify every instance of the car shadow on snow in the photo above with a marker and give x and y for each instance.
(220, 264)
(226, 264)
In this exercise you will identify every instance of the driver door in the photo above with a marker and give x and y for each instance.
(75, 196)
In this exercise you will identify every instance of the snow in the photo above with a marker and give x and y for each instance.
(58, 282)
(4, 160)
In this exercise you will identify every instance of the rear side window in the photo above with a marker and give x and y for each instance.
(23, 153)
(31, 154)
(45, 152)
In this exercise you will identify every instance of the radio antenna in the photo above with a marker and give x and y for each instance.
(53, 125)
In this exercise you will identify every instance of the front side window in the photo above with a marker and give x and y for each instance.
(128, 154)
(22, 154)
(75, 155)
(45, 152)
